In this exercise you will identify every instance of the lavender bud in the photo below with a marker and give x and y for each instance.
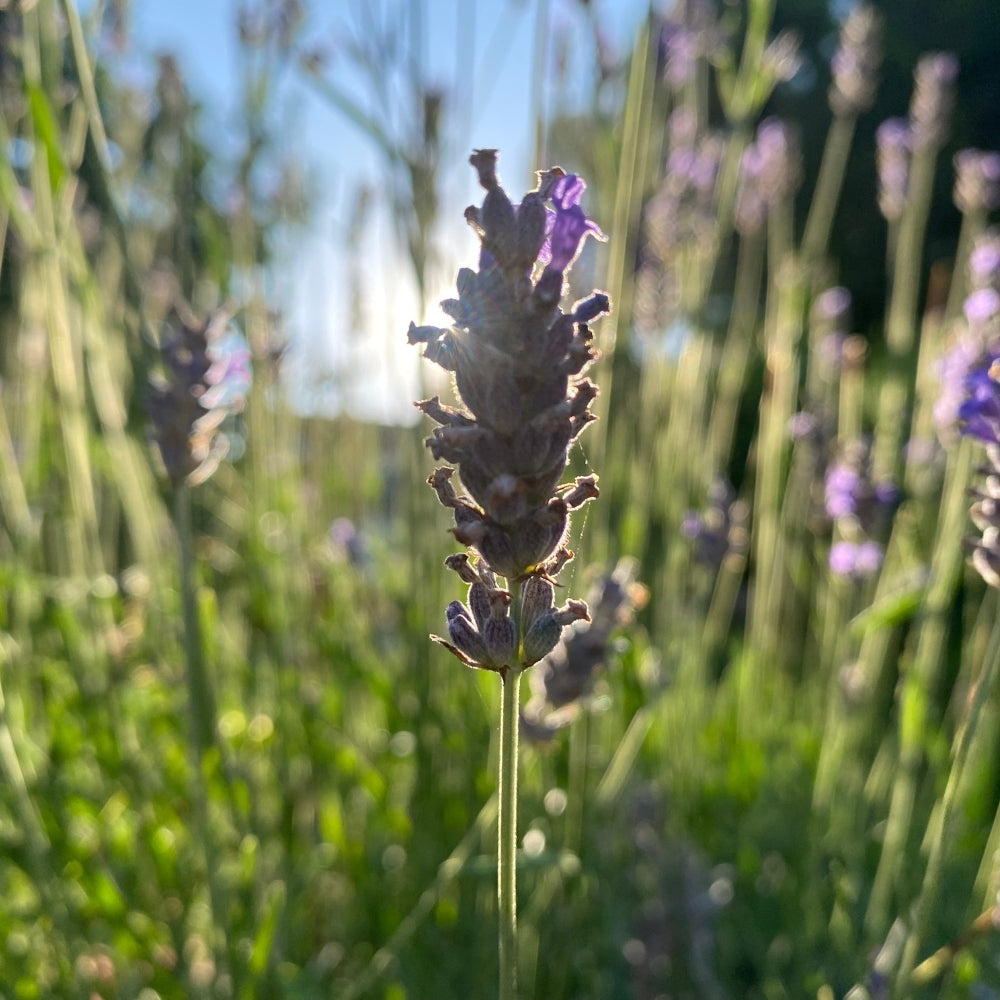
(933, 99)
(856, 62)
(499, 632)
(464, 634)
(536, 599)
(977, 181)
(207, 375)
(894, 140)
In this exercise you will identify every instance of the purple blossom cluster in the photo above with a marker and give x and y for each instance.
(207, 374)
(855, 65)
(688, 34)
(564, 680)
(860, 510)
(683, 209)
(977, 181)
(970, 397)
(517, 360)
(679, 220)
(933, 99)
(721, 528)
(770, 171)
(969, 355)
(894, 149)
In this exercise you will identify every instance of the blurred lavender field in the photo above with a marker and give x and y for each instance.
(233, 763)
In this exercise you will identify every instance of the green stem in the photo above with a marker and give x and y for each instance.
(945, 834)
(507, 835)
(201, 703)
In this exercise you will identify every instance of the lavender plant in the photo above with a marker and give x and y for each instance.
(517, 360)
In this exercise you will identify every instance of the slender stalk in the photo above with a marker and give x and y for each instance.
(201, 701)
(507, 835)
(828, 185)
(917, 711)
(944, 837)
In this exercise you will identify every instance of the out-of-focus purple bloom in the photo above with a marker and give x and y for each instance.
(565, 677)
(348, 543)
(770, 170)
(803, 425)
(855, 64)
(833, 306)
(952, 370)
(933, 99)
(895, 144)
(720, 528)
(207, 374)
(857, 560)
(679, 49)
(979, 413)
(860, 509)
(982, 306)
(830, 319)
(781, 60)
(984, 261)
(977, 180)
(843, 484)
(230, 374)
(687, 35)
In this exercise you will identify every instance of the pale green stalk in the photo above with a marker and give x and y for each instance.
(946, 823)
(916, 715)
(826, 194)
(736, 352)
(902, 320)
(784, 332)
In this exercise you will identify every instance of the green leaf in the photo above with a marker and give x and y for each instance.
(46, 132)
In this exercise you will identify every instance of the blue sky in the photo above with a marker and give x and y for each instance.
(481, 53)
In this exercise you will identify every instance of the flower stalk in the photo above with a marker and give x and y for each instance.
(517, 360)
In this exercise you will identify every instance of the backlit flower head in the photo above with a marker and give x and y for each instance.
(517, 360)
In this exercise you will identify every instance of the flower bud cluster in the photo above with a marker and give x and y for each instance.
(894, 147)
(721, 529)
(517, 361)
(770, 171)
(933, 99)
(977, 181)
(856, 62)
(566, 675)
(691, 32)
(207, 375)
(970, 397)
(968, 355)
(861, 510)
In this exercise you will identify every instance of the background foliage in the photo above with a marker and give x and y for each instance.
(754, 794)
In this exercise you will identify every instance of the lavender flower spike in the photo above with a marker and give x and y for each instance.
(516, 358)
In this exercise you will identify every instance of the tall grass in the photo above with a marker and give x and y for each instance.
(784, 785)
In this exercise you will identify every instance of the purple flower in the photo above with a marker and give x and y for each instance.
(856, 62)
(570, 226)
(895, 143)
(984, 261)
(977, 180)
(857, 560)
(933, 98)
(842, 493)
(952, 370)
(980, 412)
(982, 306)
(230, 374)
